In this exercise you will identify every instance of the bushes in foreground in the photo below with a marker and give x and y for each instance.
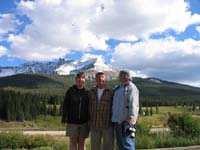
(149, 141)
(184, 125)
(18, 140)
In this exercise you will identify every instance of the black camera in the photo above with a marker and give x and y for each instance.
(129, 129)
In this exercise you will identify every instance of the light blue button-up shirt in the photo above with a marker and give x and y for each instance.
(125, 103)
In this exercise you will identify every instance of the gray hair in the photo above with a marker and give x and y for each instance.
(125, 74)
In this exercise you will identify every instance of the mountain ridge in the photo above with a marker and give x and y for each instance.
(60, 67)
(151, 91)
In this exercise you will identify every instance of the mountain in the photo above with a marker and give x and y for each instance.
(60, 67)
(153, 91)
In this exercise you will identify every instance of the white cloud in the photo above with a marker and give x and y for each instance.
(88, 56)
(140, 18)
(192, 83)
(163, 58)
(59, 26)
(137, 74)
(56, 28)
(7, 23)
(198, 28)
(25, 47)
(3, 50)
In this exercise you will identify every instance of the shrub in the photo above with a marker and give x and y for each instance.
(142, 129)
(143, 138)
(18, 140)
(183, 125)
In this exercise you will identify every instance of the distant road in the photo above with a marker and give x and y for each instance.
(50, 132)
(180, 148)
(155, 130)
(44, 132)
(35, 132)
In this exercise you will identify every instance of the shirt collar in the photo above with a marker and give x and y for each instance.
(124, 84)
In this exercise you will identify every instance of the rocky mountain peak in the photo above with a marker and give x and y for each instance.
(61, 67)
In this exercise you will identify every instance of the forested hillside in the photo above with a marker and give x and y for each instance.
(25, 96)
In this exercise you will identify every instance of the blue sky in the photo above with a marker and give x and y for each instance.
(153, 38)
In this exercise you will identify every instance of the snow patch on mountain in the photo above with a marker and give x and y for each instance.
(61, 67)
(155, 80)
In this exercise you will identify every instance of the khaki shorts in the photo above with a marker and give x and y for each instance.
(78, 130)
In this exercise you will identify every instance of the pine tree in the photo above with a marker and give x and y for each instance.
(44, 107)
(157, 111)
(147, 111)
(151, 111)
(193, 107)
(140, 110)
(54, 110)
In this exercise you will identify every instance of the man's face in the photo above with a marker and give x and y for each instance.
(100, 79)
(80, 81)
(121, 78)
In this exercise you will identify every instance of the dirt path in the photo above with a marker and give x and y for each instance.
(29, 132)
(180, 148)
(44, 132)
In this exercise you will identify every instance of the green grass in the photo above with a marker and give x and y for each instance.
(160, 120)
(54, 123)
(42, 123)
(17, 141)
(164, 140)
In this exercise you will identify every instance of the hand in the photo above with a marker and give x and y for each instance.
(130, 120)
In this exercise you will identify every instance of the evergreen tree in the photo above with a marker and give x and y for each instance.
(147, 111)
(60, 108)
(26, 106)
(54, 110)
(11, 106)
(44, 107)
(157, 111)
(151, 111)
(140, 110)
(193, 107)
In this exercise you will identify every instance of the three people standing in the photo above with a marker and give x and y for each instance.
(103, 108)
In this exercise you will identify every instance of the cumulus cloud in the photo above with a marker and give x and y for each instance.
(164, 58)
(192, 83)
(140, 18)
(3, 50)
(198, 28)
(8, 23)
(57, 27)
(88, 56)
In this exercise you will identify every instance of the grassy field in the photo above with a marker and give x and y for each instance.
(54, 123)
(42, 123)
(143, 140)
(160, 120)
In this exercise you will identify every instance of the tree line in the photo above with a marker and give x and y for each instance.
(16, 106)
(26, 104)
